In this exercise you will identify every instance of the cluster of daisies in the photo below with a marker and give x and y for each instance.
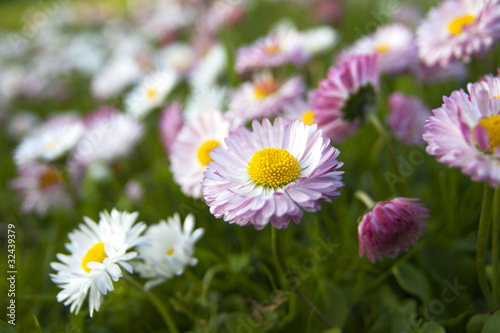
(100, 250)
(259, 153)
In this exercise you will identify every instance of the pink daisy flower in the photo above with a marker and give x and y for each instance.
(264, 97)
(343, 98)
(283, 45)
(458, 29)
(191, 149)
(407, 116)
(395, 44)
(465, 131)
(41, 187)
(271, 173)
(170, 124)
(390, 227)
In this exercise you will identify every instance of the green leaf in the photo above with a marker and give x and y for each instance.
(476, 323)
(492, 324)
(390, 323)
(432, 327)
(412, 280)
(336, 308)
(333, 330)
(6, 328)
(37, 325)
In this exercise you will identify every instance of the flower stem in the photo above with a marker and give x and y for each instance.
(365, 199)
(482, 233)
(162, 309)
(494, 242)
(387, 140)
(285, 273)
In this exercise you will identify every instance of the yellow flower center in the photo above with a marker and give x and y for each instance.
(265, 87)
(457, 25)
(273, 167)
(49, 145)
(204, 150)
(272, 48)
(308, 117)
(50, 177)
(95, 254)
(170, 252)
(492, 126)
(382, 48)
(151, 93)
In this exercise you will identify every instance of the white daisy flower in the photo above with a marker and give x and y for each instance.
(98, 251)
(50, 140)
(150, 93)
(169, 251)
(191, 150)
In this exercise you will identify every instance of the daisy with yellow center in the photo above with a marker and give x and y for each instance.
(98, 252)
(458, 30)
(265, 86)
(273, 167)
(491, 126)
(150, 93)
(192, 149)
(289, 167)
(465, 131)
(265, 96)
(170, 250)
(460, 23)
(41, 188)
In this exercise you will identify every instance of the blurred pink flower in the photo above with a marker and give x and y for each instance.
(169, 124)
(342, 99)
(41, 187)
(390, 227)
(407, 116)
(264, 97)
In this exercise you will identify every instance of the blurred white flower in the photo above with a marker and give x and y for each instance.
(50, 140)
(150, 93)
(169, 251)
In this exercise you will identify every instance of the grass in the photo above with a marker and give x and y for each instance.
(236, 287)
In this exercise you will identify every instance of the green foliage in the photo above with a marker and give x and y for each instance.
(236, 287)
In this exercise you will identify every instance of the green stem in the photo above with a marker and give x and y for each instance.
(494, 242)
(364, 198)
(162, 309)
(285, 273)
(387, 140)
(482, 235)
